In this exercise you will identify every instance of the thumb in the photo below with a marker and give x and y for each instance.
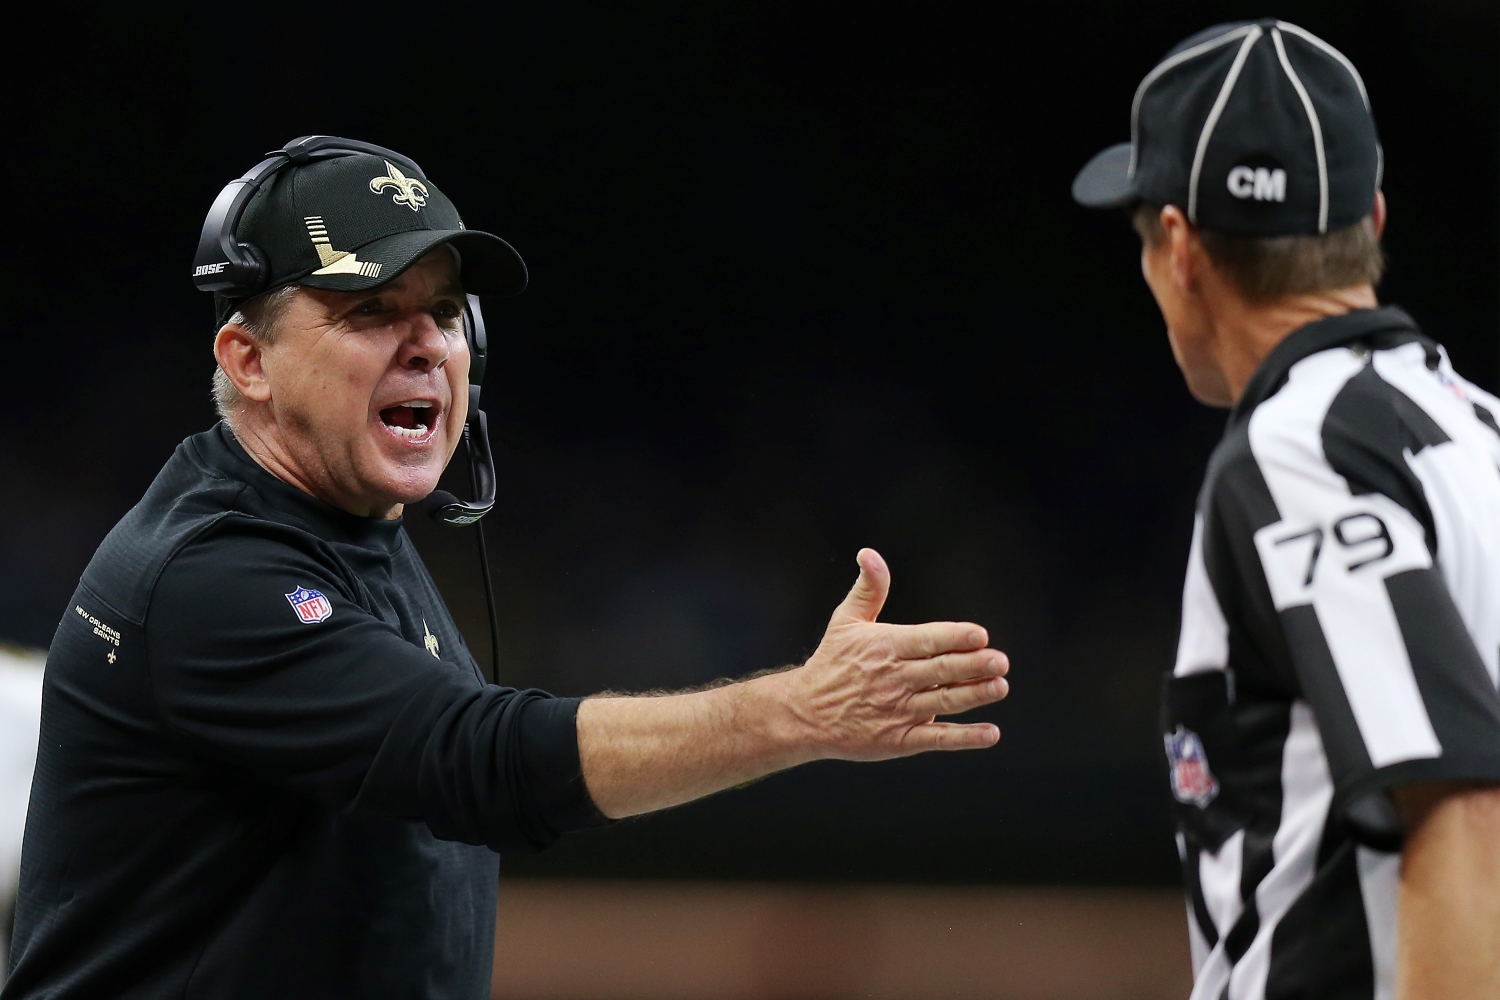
(867, 596)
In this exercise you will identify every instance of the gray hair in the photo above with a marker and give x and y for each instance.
(259, 317)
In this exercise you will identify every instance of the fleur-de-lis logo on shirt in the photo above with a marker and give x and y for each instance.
(409, 191)
(430, 640)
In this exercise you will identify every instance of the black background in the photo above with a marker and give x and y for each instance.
(804, 278)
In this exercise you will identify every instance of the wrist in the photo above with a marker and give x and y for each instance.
(768, 713)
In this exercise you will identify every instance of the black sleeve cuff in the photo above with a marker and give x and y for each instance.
(549, 753)
(484, 765)
(1365, 806)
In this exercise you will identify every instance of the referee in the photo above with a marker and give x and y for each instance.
(1332, 723)
(269, 766)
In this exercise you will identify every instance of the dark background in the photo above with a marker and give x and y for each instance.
(804, 278)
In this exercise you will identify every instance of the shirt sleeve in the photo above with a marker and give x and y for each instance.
(338, 706)
(1377, 644)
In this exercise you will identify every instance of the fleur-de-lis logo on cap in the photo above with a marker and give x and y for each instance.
(409, 191)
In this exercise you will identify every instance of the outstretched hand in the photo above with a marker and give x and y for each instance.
(873, 691)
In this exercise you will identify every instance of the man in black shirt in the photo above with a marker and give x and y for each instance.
(268, 765)
(1332, 723)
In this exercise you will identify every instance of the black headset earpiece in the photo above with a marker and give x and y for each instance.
(223, 264)
(479, 347)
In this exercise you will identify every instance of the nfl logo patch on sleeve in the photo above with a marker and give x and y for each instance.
(311, 606)
(1192, 782)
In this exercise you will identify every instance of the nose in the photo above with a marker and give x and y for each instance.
(427, 346)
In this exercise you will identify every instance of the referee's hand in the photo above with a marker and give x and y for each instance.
(873, 691)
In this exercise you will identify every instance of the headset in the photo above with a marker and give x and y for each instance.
(239, 270)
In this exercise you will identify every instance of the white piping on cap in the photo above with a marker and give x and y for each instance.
(1359, 82)
(1317, 129)
(1230, 79)
(1312, 39)
(1162, 67)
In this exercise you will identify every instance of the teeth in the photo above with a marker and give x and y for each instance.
(423, 412)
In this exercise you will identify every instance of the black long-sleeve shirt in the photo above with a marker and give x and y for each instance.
(269, 766)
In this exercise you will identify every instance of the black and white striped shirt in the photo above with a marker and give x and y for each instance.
(1340, 636)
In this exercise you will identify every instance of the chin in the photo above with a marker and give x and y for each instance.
(407, 469)
(1204, 380)
(412, 485)
(405, 481)
(1210, 392)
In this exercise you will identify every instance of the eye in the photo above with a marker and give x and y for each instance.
(447, 313)
(370, 307)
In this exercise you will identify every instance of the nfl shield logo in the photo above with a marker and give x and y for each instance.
(1192, 782)
(311, 606)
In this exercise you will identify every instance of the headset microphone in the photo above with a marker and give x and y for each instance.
(449, 509)
(441, 505)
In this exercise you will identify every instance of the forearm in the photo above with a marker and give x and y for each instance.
(645, 753)
(1449, 903)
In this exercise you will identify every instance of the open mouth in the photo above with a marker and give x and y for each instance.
(412, 420)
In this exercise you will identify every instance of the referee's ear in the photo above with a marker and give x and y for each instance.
(867, 596)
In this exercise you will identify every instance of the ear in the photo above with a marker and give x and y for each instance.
(1378, 214)
(1181, 237)
(239, 355)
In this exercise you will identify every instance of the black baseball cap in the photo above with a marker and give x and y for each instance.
(354, 222)
(1256, 128)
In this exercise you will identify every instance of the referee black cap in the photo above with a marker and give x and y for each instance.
(350, 223)
(1256, 128)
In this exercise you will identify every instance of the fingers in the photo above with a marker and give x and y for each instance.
(950, 736)
(957, 668)
(919, 642)
(956, 698)
(867, 596)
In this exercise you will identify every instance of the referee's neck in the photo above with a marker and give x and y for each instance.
(1219, 335)
(1243, 333)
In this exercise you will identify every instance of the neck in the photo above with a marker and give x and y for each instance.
(1244, 333)
(263, 443)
